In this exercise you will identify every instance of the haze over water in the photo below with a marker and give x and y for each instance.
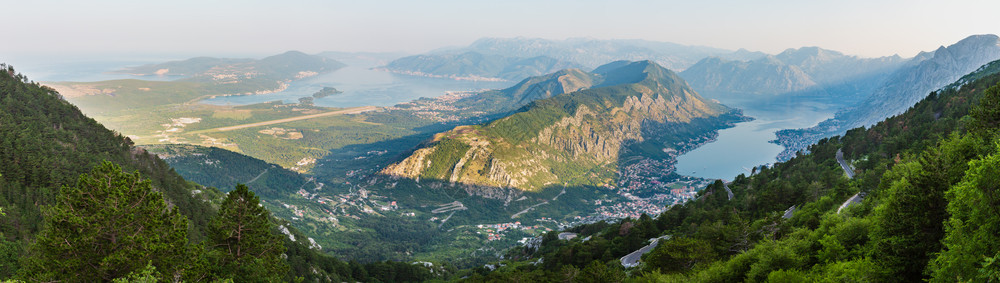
(363, 86)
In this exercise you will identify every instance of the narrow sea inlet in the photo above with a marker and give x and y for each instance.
(738, 149)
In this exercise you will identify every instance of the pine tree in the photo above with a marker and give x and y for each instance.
(973, 231)
(986, 114)
(243, 245)
(108, 225)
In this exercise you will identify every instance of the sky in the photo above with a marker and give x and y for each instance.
(868, 28)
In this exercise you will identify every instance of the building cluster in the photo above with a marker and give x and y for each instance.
(441, 108)
(498, 231)
(645, 174)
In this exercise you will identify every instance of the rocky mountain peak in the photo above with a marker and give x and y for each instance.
(558, 137)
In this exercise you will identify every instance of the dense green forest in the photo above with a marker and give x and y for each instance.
(929, 181)
(223, 169)
(68, 186)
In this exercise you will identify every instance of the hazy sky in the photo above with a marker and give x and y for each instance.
(219, 28)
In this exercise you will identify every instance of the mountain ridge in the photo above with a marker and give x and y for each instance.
(529, 148)
(793, 71)
(904, 88)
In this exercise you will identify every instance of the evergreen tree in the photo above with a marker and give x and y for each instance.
(973, 231)
(109, 224)
(909, 220)
(243, 245)
(678, 255)
(986, 114)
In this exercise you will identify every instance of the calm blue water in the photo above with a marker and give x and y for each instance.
(746, 145)
(362, 86)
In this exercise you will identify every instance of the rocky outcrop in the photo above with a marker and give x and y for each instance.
(579, 136)
(411, 166)
(566, 137)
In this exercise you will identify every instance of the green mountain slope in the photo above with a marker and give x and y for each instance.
(47, 143)
(223, 169)
(921, 206)
(575, 138)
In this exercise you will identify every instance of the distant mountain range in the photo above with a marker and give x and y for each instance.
(595, 52)
(574, 130)
(477, 66)
(926, 72)
(285, 66)
(807, 69)
(518, 58)
(712, 71)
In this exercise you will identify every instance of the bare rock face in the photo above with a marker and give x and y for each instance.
(411, 166)
(574, 133)
(577, 136)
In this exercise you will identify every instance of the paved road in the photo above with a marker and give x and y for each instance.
(856, 198)
(844, 165)
(355, 110)
(528, 209)
(633, 258)
(452, 206)
(789, 213)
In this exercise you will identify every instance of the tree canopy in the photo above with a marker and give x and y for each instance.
(241, 240)
(108, 225)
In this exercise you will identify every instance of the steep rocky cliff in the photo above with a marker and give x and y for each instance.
(575, 138)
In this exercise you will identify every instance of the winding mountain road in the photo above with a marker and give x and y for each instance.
(632, 259)
(844, 165)
(856, 198)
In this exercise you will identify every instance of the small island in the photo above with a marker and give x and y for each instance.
(326, 91)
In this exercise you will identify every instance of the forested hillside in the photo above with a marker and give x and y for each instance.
(79, 203)
(922, 205)
(223, 169)
(48, 143)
